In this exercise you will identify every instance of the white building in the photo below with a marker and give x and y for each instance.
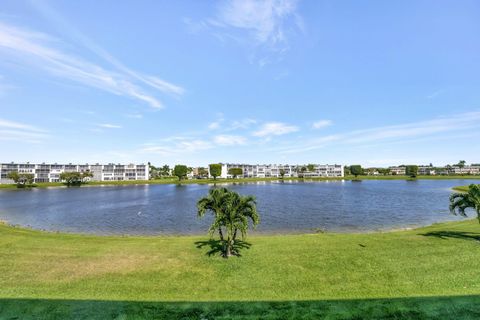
(274, 170)
(399, 171)
(51, 172)
(426, 171)
(468, 170)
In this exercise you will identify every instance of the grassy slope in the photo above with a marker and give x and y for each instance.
(242, 180)
(347, 275)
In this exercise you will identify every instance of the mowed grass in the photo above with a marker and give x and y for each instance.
(423, 273)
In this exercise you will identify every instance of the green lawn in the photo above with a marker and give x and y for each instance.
(431, 272)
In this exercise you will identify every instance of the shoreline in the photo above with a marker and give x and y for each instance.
(43, 185)
(252, 233)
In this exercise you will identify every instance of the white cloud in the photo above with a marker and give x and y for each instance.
(134, 116)
(434, 94)
(321, 124)
(242, 124)
(264, 27)
(64, 25)
(274, 129)
(109, 126)
(229, 140)
(265, 20)
(214, 125)
(179, 146)
(415, 130)
(16, 131)
(45, 53)
(17, 125)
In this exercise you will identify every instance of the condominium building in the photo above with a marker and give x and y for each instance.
(397, 170)
(51, 172)
(427, 171)
(274, 170)
(468, 170)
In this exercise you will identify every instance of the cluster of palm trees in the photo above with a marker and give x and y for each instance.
(232, 213)
(461, 201)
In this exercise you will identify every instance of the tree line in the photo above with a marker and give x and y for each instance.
(357, 170)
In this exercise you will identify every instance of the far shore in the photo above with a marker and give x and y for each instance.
(241, 180)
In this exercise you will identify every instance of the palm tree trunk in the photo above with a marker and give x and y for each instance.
(220, 233)
(235, 235)
(228, 252)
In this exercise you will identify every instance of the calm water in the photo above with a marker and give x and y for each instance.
(284, 207)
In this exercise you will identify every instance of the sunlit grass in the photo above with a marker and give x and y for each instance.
(440, 260)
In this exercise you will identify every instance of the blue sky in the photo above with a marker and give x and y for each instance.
(371, 82)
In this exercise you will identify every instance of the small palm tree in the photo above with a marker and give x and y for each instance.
(232, 213)
(461, 201)
(215, 203)
(240, 210)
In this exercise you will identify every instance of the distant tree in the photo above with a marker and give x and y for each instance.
(356, 170)
(165, 170)
(411, 171)
(301, 171)
(215, 170)
(202, 172)
(21, 179)
(311, 167)
(153, 171)
(346, 170)
(232, 214)
(461, 163)
(75, 178)
(180, 171)
(461, 201)
(282, 173)
(235, 172)
(384, 171)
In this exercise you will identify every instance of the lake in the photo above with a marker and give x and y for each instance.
(285, 207)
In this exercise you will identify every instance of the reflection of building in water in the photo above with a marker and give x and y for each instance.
(51, 172)
(276, 170)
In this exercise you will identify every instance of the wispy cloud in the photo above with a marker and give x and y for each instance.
(176, 145)
(274, 129)
(179, 146)
(46, 53)
(264, 26)
(263, 19)
(415, 130)
(435, 94)
(16, 131)
(215, 125)
(227, 126)
(109, 126)
(134, 116)
(321, 124)
(54, 16)
(229, 140)
(242, 124)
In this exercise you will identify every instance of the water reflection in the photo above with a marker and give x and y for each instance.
(284, 205)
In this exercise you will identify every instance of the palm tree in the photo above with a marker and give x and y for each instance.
(240, 210)
(232, 213)
(215, 203)
(461, 201)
